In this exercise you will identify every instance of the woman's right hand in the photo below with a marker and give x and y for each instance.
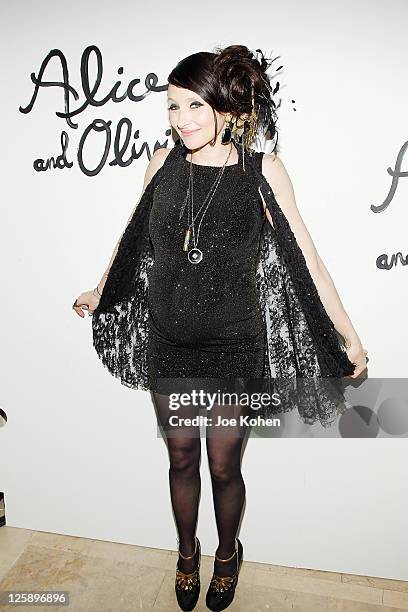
(88, 300)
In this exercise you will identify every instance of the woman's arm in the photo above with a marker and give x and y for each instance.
(153, 166)
(279, 180)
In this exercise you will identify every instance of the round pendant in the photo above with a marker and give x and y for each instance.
(195, 256)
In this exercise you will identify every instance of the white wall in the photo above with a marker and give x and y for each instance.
(80, 453)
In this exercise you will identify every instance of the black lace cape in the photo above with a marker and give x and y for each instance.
(303, 351)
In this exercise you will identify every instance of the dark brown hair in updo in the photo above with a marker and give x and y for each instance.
(226, 80)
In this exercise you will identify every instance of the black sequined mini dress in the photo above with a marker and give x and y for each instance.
(205, 319)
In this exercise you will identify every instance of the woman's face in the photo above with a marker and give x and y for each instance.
(191, 117)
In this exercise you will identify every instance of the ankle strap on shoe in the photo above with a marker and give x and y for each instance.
(231, 557)
(191, 556)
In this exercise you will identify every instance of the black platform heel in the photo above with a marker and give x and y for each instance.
(221, 590)
(187, 586)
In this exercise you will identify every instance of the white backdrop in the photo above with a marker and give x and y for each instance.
(80, 454)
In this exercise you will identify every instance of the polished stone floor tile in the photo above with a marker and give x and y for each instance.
(94, 584)
(106, 576)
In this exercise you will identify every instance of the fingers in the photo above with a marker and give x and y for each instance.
(78, 308)
(90, 311)
(78, 311)
(358, 370)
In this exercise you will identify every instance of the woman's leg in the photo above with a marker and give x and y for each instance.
(224, 448)
(184, 447)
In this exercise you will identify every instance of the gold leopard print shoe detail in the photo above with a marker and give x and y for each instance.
(221, 590)
(187, 586)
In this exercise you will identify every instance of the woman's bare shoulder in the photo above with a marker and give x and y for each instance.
(269, 158)
(275, 172)
(156, 162)
(161, 153)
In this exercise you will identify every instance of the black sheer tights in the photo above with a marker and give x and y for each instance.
(224, 445)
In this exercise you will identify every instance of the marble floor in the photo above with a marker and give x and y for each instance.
(107, 577)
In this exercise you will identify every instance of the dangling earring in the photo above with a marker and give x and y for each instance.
(226, 135)
(246, 128)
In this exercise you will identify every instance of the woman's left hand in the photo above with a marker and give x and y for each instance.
(358, 356)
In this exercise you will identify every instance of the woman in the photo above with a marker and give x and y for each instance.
(216, 280)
